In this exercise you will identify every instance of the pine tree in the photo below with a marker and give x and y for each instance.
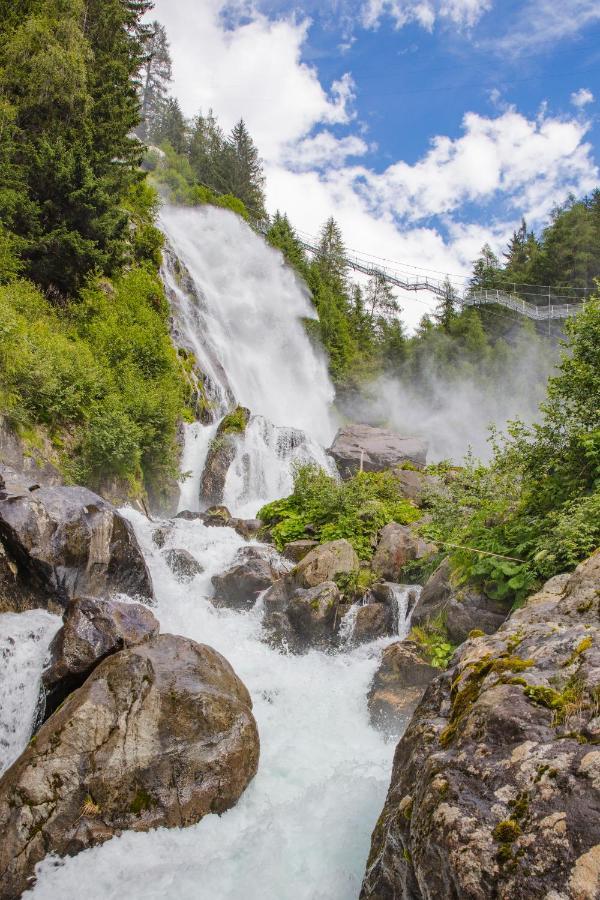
(156, 74)
(282, 235)
(171, 127)
(446, 308)
(331, 255)
(244, 172)
(207, 152)
(486, 270)
(380, 300)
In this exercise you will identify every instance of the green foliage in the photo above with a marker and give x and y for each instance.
(432, 637)
(538, 501)
(235, 422)
(103, 372)
(327, 509)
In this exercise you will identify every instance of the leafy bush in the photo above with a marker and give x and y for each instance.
(534, 511)
(327, 509)
(103, 372)
(434, 642)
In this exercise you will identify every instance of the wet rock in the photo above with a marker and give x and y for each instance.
(397, 546)
(246, 528)
(301, 619)
(221, 454)
(254, 569)
(398, 686)
(159, 735)
(494, 781)
(34, 462)
(464, 609)
(217, 517)
(373, 621)
(92, 630)
(188, 516)
(415, 485)
(325, 563)
(297, 550)
(67, 541)
(376, 449)
(183, 565)
(160, 536)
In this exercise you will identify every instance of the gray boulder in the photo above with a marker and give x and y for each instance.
(464, 609)
(254, 569)
(301, 619)
(397, 546)
(159, 735)
(183, 565)
(297, 550)
(221, 454)
(92, 630)
(495, 788)
(376, 449)
(325, 563)
(65, 542)
(373, 621)
(398, 686)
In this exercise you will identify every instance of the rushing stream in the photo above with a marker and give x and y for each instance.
(301, 830)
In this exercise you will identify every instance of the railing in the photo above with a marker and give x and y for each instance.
(552, 306)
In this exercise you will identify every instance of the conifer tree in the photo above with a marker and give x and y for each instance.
(244, 172)
(171, 126)
(486, 270)
(282, 235)
(331, 255)
(207, 152)
(155, 77)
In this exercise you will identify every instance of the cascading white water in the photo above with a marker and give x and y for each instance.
(24, 641)
(248, 312)
(264, 464)
(301, 830)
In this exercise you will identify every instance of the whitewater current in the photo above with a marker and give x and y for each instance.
(301, 830)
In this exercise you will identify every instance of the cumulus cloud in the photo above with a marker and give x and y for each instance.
(315, 151)
(581, 98)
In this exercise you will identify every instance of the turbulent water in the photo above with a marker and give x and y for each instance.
(301, 830)
(24, 641)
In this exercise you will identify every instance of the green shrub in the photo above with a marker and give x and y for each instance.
(327, 509)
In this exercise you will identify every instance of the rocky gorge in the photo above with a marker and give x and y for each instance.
(203, 699)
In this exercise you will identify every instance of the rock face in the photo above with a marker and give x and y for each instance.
(159, 735)
(221, 454)
(495, 789)
(301, 619)
(398, 686)
(34, 463)
(378, 448)
(92, 630)
(397, 546)
(326, 562)
(464, 609)
(183, 565)
(67, 541)
(297, 550)
(254, 570)
(415, 485)
(373, 620)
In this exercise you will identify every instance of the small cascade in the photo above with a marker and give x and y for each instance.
(24, 641)
(197, 440)
(263, 469)
(348, 624)
(405, 600)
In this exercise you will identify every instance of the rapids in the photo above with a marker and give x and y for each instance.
(301, 831)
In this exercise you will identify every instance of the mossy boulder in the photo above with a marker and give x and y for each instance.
(221, 454)
(497, 778)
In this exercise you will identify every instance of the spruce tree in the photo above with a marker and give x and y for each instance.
(171, 127)
(244, 171)
(207, 152)
(331, 255)
(156, 74)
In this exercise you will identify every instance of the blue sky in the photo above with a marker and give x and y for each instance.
(426, 127)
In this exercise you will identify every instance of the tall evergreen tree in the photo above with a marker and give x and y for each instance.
(207, 152)
(282, 235)
(171, 126)
(486, 270)
(156, 74)
(245, 177)
(331, 255)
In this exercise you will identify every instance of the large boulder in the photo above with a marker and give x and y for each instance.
(221, 453)
(325, 563)
(301, 619)
(158, 736)
(414, 485)
(66, 542)
(297, 550)
(464, 608)
(92, 630)
(398, 686)
(182, 564)
(373, 621)
(495, 788)
(397, 546)
(374, 449)
(253, 570)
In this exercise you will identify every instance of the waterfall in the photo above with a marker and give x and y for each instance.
(302, 829)
(24, 641)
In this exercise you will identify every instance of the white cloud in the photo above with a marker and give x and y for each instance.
(581, 98)
(464, 13)
(421, 214)
(541, 23)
